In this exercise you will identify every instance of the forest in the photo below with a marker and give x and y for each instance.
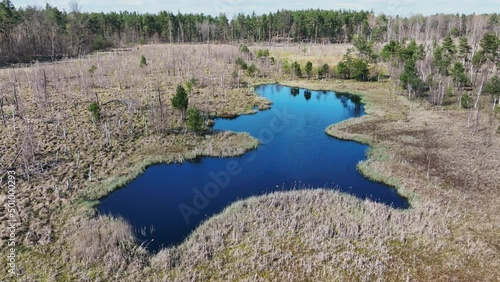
(51, 33)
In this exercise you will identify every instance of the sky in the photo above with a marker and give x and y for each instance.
(232, 7)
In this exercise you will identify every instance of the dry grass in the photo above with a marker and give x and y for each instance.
(302, 53)
(54, 146)
(433, 156)
(316, 235)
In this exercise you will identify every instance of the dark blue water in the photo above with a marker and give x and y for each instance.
(295, 153)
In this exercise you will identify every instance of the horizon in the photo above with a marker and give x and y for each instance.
(403, 8)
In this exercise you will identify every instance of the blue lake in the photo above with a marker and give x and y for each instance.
(295, 153)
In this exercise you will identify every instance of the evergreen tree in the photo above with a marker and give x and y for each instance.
(442, 60)
(308, 69)
(464, 48)
(355, 68)
(493, 88)
(194, 120)
(465, 101)
(296, 69)
(449, 47)
(343, 70)
(410, 79)
(359, 69)
(478, 59)
(364, 47)
(390, 50)
(323, 71)
(458, 74)
(490, 46)
(412, 52)
(252, 69)
(180, 100)
(240, 62)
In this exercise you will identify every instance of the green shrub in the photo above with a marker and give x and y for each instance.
(296, 69)
(244, 49)
(252, 69)
(262, 53)
(308, 69)
(143, 62)
(240, 62)
(95, 111)
(465, 101)
(194, 120)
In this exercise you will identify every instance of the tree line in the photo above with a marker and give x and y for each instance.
(49, 32)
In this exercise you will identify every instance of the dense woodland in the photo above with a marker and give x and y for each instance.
(50, 32)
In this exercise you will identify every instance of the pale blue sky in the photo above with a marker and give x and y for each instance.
(231, 7)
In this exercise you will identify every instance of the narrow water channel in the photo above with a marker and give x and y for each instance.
(167, 202)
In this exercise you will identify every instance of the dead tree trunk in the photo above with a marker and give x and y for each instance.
(476, 105)
(1, 112)
(160, 105)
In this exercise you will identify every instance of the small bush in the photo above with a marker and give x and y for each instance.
(92, 70)
(465, 101)
(143, 62)
(296, 69)
(262, 53)
(285, 66)
(95, 111)
(240, 62)
(323, 71)
(252, 69)
(244, 49)
(308, 69)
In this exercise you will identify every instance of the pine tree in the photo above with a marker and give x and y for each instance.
(464, 48)
(449, 47)
(493, 88)
(194, 120)
(442, 60)
(490, 45)
(308, 69)
(296, 69)
(410, 78)
(458, 74)
(180, 100)
(390, 50)
(323, 71)
(359, 69)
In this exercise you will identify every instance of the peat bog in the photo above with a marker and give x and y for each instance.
(167, 202)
